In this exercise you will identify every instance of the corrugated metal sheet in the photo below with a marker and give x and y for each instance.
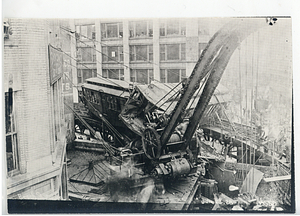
(163, 94)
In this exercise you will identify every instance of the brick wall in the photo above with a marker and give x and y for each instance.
(27, 59)
(26, 62)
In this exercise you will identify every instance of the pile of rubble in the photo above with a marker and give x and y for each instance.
(208, 198)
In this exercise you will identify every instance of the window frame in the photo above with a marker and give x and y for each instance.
(14, 137)
(106, 57)
(163, 27)
(182, 52)
(104, 33)
(87, 37)
(106, 71)
(80, 74)
(150, 75)
(92, 54)
(133, 29)
(133, 54)
(164, 74)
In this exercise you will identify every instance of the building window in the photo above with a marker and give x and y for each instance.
(141, 53)
(86, 54)
(112, 54)
(172, 52)
(83, 74)
(140, 29)
(111, 30)
(86, 32)
(201, 48)
(12, 157)
(143, 76)
(113, 74)
(172, 75)
(172, 28)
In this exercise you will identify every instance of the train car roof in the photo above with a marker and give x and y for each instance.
(158, 93)
(110, 83)
(107, 90)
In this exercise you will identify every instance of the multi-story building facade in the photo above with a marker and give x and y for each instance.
(140, 50)
(36, 122)
(166, 50)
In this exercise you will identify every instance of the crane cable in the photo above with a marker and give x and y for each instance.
(241, 119)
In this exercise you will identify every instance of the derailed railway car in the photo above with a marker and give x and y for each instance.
(104, 100)
(133, 118)
(159, 121)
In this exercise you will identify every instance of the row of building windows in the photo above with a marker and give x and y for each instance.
(138, 53)
(168, 52)
(143, 76)
(139, 29)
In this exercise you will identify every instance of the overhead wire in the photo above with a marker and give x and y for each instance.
(241, 114)
(106, 55)
(83, 64)
(93, 47)
(83, 96)
(105, 78)
(246, 105)
(102, 43)
(251, 116)
(199, 89)
(154, 79)
(124, 80)
(105, 146)
(177, 94)
(154, 105)
(93, 40)
(92, 68)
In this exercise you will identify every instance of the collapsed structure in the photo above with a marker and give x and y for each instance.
(163, 131)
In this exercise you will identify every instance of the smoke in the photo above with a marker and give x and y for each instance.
(127, 183)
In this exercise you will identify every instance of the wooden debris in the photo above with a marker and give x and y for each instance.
(237, 208)
(277, 178)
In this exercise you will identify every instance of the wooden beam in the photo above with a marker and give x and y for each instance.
(277, 178)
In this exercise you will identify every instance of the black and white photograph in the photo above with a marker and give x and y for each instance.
(141, 115)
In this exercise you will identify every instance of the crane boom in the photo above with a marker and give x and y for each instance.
(213, 60)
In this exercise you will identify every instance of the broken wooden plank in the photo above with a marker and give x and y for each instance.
(191, 196)
(92, 145)
(277, 178)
